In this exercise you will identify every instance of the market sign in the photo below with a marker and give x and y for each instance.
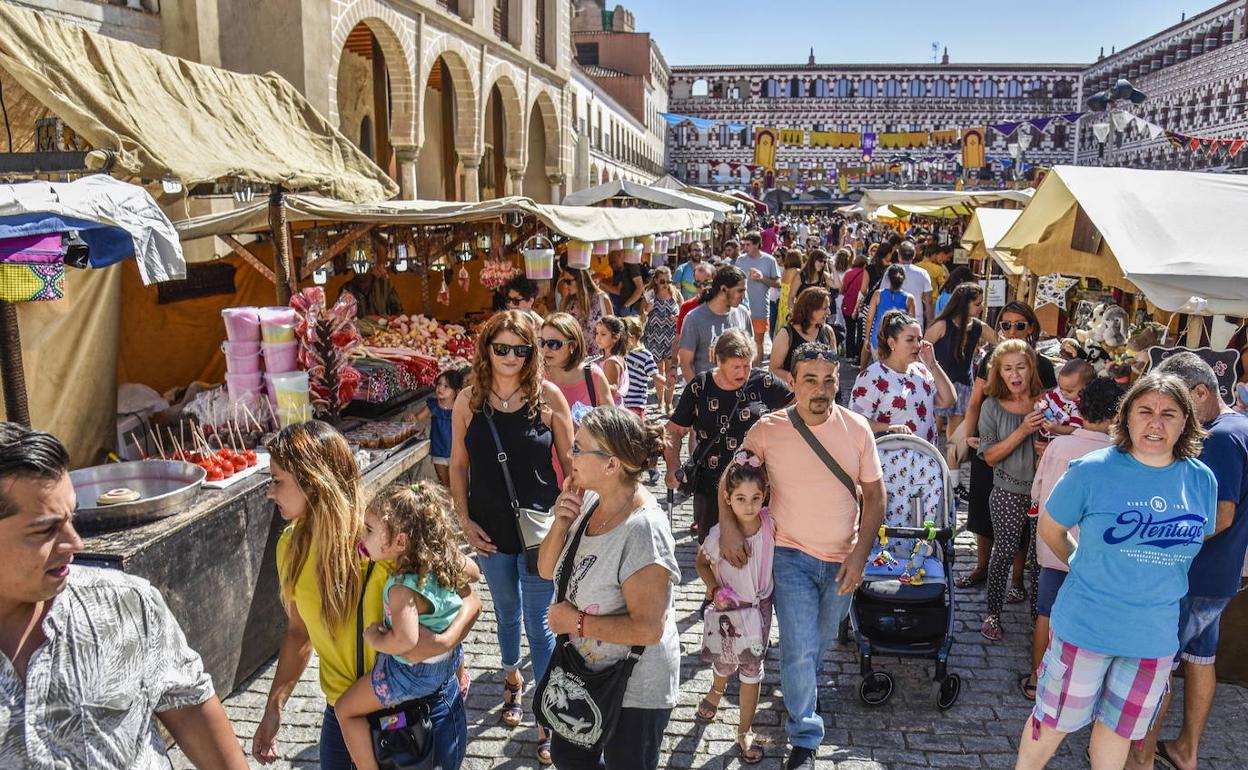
(995, 292)
(1223, 363)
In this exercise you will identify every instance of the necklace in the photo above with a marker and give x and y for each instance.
(505, 402)
(628, 506)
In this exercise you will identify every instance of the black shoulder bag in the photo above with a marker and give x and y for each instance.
(579, 705)
(403, 734)
(691, 470)
(589, 384)
(531, 524)
(824, 454)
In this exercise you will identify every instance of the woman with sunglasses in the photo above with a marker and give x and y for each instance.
(1016, 322)
(661, 305)
(583, 384)
(580, 297)
(621, 588)
(508, 404)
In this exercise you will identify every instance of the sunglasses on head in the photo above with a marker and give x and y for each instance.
(812, 352)
(1018, 326)
(502, 348)
(551, 344)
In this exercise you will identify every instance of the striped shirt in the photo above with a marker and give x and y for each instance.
(641, 371)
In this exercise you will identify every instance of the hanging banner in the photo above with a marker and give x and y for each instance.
(765, 141)
(1041, 123)
(868, 145)
(842, 181)
(1235, 146)
(901, 139)
(1005, 129)
(1101, 132)
(946, 136)
(835, 139)
(972, 147)
(792, 137)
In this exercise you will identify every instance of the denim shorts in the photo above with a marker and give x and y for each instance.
(1199, 618)
(395, 681)
(1049, 582)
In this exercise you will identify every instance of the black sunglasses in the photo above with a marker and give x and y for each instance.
(809, 352)
(502, 348)
(514, 300)
(551, 344)
(1018, 326)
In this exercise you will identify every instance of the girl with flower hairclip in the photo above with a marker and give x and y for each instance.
(737, 624)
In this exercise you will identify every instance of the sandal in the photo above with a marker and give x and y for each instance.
(543, 748)
(706, 709)
(1016, 596)
(975, 578)
(1163, 756)
(991, 629)
(747, 746)
(1027, 687)
(513, 709)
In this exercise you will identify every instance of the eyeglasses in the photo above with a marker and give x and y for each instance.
(501, 349)
(576, 450)
(703, 284)
(1018, 326)
(552, 344)
(663, 283)
(514, 300)
(566, 281)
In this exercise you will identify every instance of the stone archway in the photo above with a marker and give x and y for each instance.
(449, 158)
(373, 78)
(503, 139)
(543, 169)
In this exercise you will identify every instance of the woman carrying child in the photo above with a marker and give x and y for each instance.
(412, 527)
(741, 591)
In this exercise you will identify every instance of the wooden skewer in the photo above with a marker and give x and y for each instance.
(138, 446)
(160, 445)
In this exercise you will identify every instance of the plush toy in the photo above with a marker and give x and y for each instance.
(1110, 327)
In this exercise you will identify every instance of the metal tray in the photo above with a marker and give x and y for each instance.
(166, 486)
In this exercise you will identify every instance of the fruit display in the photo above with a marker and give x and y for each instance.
(221, 464)
(422, 346)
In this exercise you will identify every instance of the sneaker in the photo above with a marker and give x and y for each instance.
(654, 476)
(800, 758)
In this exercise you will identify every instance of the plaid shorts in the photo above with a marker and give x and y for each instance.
(1077, 686)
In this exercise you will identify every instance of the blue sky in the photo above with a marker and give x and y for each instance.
(782, 31)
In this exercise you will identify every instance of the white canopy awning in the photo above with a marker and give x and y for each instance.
(987, 227)
(873, 199)
(660, 197)
(1177, 235)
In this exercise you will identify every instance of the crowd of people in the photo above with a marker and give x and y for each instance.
(1131, 507)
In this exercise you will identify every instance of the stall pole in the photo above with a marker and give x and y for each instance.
(283, 265)
(16, 408)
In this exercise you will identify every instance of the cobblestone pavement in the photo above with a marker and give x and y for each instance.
(980, 731)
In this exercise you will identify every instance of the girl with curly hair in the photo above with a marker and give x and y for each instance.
(412, 527)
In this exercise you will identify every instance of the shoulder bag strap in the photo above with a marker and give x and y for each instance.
(569, 557)
(589, 383)
(502, 460)
(700, 454)
(359, 622)
(822, 452)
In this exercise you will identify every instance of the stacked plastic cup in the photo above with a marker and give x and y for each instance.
(289, 394)
(242, 352)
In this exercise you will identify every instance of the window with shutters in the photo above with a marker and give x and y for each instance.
(540, 32)
(450, 5)
(502, 14)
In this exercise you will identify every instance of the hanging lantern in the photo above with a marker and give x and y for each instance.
(482, 241)
(400, 257)
(539, 260)
(579, 253)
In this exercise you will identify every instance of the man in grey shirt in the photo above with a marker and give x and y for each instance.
(88, 656)
(764, 278)
(712, 318)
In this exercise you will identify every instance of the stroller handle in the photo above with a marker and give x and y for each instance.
(919, 532)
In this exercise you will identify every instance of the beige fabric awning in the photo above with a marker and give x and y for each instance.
(167, 117)
(987, 228)
(587, 223)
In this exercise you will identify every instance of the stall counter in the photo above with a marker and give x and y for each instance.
(215, 565)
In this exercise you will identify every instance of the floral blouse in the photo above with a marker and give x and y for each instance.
(891, 397)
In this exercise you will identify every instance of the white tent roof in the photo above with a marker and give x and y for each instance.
(1178, 235)
(873, 199)
(586, 223)
(987, 227)
(672, 199)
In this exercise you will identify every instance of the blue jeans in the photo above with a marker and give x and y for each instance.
(450, 732)
(520, 595)
(805, 593)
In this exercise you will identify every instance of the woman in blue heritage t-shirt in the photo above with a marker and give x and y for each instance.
(1143, 507)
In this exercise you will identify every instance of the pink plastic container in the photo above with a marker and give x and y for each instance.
(280, 356)
(277, 324)
(243, 385)
(242, 324)
(244, 364)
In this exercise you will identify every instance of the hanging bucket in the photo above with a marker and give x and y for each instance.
(647, 244)
(539, 260)
(242, 324)
(601, 248)
(632, 255)
(579, 253)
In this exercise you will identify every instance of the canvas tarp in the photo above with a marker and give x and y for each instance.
(167, 117)
(620, 188)
(873, 199)
(985, 230)
(586, 223)
(123, 208)
(1177, 235)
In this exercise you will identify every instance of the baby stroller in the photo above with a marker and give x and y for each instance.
(904, 606)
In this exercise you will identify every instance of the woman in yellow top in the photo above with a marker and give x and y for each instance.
(316, 487)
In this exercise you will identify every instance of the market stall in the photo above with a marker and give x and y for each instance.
(997, 267)
(1140, 259)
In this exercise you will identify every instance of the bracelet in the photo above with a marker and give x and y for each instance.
(580, 623)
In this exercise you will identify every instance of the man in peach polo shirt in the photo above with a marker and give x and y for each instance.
(819, 559)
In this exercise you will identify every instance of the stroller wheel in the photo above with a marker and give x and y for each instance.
(876, 688)
(946, 691)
